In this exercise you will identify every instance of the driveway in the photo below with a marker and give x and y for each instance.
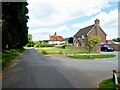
(34, 70)
(114, 52)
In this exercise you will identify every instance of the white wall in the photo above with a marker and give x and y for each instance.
(56, 42)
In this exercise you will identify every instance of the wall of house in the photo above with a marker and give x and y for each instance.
(96, 31)
(100, 34)
(92, 33)
(56, 42)
(82, 41)
(76, 42)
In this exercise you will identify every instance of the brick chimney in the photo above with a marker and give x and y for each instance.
(97, 22)
(55, 34)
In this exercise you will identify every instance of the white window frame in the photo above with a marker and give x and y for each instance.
(83, 36)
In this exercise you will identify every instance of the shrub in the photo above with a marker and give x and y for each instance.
(44, 52)
(9, 55)
(37, 45)
(60, 52)
(30, 44)
(47, 45)
(58, 46)
(63, 46)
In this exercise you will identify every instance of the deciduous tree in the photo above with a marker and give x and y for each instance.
(90, 43)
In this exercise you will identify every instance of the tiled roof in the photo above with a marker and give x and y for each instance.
(56, 38)
(83, 31)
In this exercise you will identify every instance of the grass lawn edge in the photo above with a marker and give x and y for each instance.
(85, 57)
(102, 84)
(9, 63)
(73, 53)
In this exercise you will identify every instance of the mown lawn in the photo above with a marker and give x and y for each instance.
(97, 56)
(53, 50)
(108, 84)
(9, 55)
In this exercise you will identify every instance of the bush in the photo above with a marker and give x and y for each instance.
(44, 52)
(30, 44)
(60, 52)
(47, 45)
(63, 46)
(9, 55)
(58, 46)
(39, 44)
(36, 43)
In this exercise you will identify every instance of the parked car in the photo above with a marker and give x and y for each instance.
(106, 48)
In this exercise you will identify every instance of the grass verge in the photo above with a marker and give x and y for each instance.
(53, 50)
(9, 55)
(108, 84)
(98, 56)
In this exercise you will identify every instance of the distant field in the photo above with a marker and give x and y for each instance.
(53, 50)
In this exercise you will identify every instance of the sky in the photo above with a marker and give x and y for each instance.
(66, 17)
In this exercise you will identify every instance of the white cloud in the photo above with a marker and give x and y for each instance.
(56, 12)
(43, 33)
(108, 21)
(113, 0)
(49, 30)
(53, 12)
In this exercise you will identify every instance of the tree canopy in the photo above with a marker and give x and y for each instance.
(29, 37)
(14, 24)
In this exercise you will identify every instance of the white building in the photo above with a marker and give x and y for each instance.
(56, 39)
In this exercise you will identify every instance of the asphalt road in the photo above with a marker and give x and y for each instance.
(34, 70)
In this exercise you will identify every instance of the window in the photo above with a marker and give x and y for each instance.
(83, 36)
(74, 38)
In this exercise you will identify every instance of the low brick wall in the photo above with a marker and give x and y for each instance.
(76, 48)
(79, 48)
(115, 46)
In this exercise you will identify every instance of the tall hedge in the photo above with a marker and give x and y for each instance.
(14, 24)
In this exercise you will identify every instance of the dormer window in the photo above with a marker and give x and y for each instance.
(83, 37)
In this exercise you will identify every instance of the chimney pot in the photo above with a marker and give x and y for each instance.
(55, 34)
(97, 21)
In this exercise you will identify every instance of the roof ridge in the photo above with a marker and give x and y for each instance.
(84, 30)
(88, 26)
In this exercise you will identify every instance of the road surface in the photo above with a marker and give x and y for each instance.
(34, 70)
